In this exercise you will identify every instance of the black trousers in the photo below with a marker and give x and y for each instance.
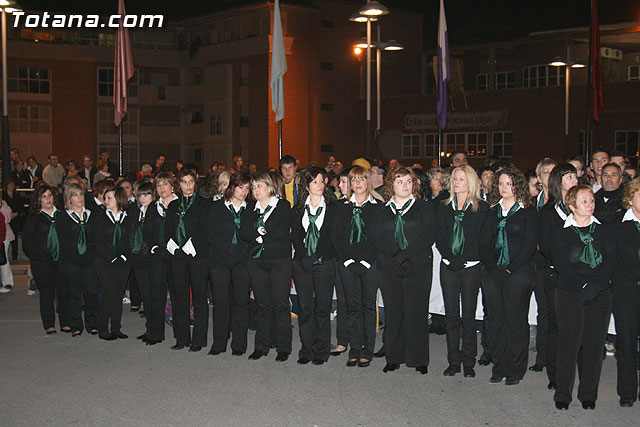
(485, 338)
(342, 332)
(230, 291)
(315, 291)
(360, 292)
(542, 329)
(50, 284)
(190, 275)
(627, 318)
(81, 283)
(113, 278)
(549, 284)
(406, 314)
(140, 272)
(582, 331)
(456, 286)
(151, 277)
(136, 290)
(508, 307)
(271, 284)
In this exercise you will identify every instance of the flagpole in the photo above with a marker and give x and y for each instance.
(280, 139)
(587, 135)
(120, 149)
(439, 146)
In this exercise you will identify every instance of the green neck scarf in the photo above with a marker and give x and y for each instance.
(501, 249)
(540, 201)
(257, 248)
(358, 231)
(53, 244)
(82, 236)
(183, 207)
(313, 234)
(589, 254)
(457, 237)
(563, 208)
(138, 237)
(162, 240)
(236, 222)
(398, 229)
(117, 233)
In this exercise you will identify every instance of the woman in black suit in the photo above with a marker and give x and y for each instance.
(313, 266)
(356, 257)
(459, 221)
(186, 231)
(228, 256)
(626, 294)
(584, 254)
(41, 244)
(508, 240)
(77, 260)
(266, 229)
(112, 232)
(403, 233)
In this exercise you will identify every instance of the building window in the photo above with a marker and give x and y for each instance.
(326, 107)
(28, 80)
(215, 124)
(542, 76)
(30, 118)
(326, 66)
(328, 24)
(195, 78)
(326, 148)
(244, 121)
(197, 116)
(476, 144)
(482, 82)
(411, 145)
(162, 93)
(431, 145)
(105, 83)
(627, 142)
(503, 144)
(96, 39)
(634, 72)
(130, 154)
(105, 121)
(504, 80)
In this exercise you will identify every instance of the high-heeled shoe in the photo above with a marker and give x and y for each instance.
(282, 356)
(257, 355)
(120, 335)
(76, 334)
(390, 367)
(337, 352)
(51, 332)
(422, 369)
(363, 363)
(352, 362)
(93, 332)
(66, 329)
(152, 342)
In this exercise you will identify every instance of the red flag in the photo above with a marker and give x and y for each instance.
(123, 68)
(596, 67)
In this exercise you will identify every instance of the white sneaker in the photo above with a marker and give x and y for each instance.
(6, 289)
(31, 293)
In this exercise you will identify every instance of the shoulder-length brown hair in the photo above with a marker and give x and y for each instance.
(358, 171)
(236, 180)
(519, 186)
(398, 172)
(120, 196)
(35, 205)
(192, 174)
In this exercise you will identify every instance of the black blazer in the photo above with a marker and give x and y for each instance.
(220, 230)
(364, 251)
(627, 272)
(549, 223)
(195, 223)
(90, 203)
(610, 211)
(325, 243)
(419, 229)
(34, 236)
(522, 238)
(103, 235)
(153, 223)
(471, 223)
(68, 232)
(277, 241)
(565, 249)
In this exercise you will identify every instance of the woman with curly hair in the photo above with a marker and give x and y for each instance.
(508, 240)
(402, 234)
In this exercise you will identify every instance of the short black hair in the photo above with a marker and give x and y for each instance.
(287, 159)
(616, 153)
(483, 169)
(160, 155)
(613, 165)
(144, 188)
(600, 150)
(577, 158)
(103, 150)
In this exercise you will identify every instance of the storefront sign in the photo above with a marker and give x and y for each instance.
(467, 121)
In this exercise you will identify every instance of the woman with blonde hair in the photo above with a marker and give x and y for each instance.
(403, 233)
(459, 220)
(221, 184)
(356, 261)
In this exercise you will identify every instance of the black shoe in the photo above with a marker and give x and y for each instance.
(107, 337)
(451, 370)
(536, 368)
(195, 348)
(352, 362)
(213, 352)
(52, 332)
(626, 403)
(256, 355)
(76, 334)
(422, 369)
(152, 342)
(142, 337)
(551, 385)
(338, 352)
(390, 367)
(469, 373)
(318, 362)
(562, 405)
(121, 336)
(588, 404)
(177, 347)
(303, 361)
(512, 381)
(495, 379)
(93, 332)
(438, 330)
(282, 356)
(364, 364)
(380, 353)
(237, 353)
(66, 331)
(485, 360)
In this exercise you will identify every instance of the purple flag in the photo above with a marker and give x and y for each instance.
(444, 71)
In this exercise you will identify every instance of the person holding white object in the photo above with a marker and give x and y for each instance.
(5, 269)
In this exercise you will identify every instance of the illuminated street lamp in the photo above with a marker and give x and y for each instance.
(6, 6)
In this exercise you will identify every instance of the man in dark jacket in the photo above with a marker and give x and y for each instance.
(609, 197)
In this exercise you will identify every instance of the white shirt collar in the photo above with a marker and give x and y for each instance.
(504, 211)
(311, 208)
(630, 216)
(389, 203)
(273, 202)
(371, 199)
(143, 211)
(228, 203)
(98, 202)
(70, 211)
(561, 214)
(571, 222)
(320, 219)
(54, 210)
(118, 217)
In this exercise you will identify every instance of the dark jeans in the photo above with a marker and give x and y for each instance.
(230, 291)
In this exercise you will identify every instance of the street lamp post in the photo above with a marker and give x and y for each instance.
(6, 6)
(380, 46)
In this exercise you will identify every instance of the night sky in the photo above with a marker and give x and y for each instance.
(468, 21)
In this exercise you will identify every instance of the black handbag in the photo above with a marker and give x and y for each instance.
(3, 255)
